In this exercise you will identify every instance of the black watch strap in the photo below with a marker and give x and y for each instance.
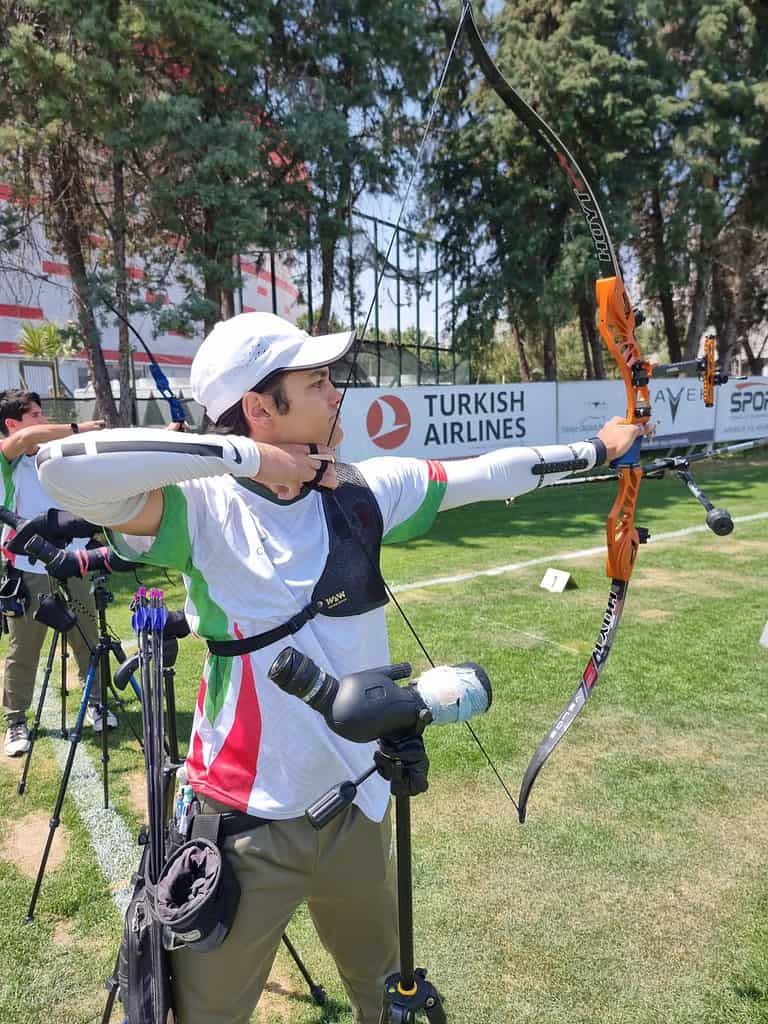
(601, 452)
(74, 428)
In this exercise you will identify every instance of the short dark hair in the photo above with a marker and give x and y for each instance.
(14, 403)
(233, 421)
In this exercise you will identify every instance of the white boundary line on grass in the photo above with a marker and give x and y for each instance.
(116, 850)
(500, 570)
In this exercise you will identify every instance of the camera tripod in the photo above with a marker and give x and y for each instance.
(61, 619)
(407, 993)
(59, 635)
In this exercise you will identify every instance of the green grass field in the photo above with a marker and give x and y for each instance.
(636, 892)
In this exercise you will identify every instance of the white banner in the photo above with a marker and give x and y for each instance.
(451, 422)
(678, 412)
(446, 422)
(584, 406)
(742, 409)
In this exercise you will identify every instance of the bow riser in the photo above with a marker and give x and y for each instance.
(616, 323)
(621, 535)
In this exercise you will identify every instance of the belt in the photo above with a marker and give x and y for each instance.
(218, 826)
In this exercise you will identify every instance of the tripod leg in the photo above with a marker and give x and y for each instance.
(407, 993)
(316, 991)
(103, 648)
(55, 818)
(64, 657)
(34, 731)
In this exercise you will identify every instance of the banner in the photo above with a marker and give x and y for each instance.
(678, 412)
(453, 422)
(742, 409)
(446, 422)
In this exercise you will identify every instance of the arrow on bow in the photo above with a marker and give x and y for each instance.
(617, 328)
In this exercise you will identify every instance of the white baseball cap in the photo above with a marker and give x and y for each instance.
(241, 352)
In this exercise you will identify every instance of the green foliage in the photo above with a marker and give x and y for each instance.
(664, 108)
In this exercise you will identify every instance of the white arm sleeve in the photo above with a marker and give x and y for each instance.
(106, 476)
(511, 471)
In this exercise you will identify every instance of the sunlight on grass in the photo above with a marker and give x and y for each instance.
(635, 893)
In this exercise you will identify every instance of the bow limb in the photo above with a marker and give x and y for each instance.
(617, 329)
(161, 381)
(162, 384)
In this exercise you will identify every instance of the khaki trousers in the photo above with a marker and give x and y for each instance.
(26, 638)
(345, 873)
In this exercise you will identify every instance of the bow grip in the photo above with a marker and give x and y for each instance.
(629, 458)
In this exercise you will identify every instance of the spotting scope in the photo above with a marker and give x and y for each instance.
(369, 705)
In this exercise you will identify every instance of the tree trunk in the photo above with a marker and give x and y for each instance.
(119, 227)
(211, 278)
(755, 359)
(594, 367)
(65, 189)
(697, 321)
(666, 298)
(328, 269)
(522, 355)
(227, 298)
(550, 352)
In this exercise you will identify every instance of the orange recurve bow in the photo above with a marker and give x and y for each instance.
(617, 329)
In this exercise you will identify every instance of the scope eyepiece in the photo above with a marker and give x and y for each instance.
(298, 675)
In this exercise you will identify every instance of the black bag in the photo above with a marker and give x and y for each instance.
(143, 970)
(196, 896)
(14, 596)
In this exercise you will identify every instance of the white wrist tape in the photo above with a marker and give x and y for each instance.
(106, 476)
(508, 472)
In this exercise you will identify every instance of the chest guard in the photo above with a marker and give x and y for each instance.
(351, 582)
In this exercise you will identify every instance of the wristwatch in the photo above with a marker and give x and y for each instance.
(74, 428)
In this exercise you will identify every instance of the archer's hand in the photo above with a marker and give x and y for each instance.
(618, 436)
(89, 425)
(285, 468)
(404, 764)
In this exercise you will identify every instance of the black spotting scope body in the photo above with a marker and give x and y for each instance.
(369, 705)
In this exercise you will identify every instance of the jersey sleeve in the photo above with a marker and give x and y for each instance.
(172, 546)
(7, 468)
(409, 493)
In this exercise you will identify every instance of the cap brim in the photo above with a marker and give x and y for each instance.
(321, 350)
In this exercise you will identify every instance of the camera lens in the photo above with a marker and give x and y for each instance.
(297, 674)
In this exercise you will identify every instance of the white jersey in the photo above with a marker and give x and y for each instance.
(249, 564)
(25, 495)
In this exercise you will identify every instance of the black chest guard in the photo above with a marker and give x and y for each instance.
(351, 582)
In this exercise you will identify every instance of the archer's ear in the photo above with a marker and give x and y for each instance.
(259, 410)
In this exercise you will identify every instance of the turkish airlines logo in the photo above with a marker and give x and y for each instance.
(388, 422)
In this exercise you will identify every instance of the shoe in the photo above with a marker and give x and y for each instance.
(17, 739)
(95, 718)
